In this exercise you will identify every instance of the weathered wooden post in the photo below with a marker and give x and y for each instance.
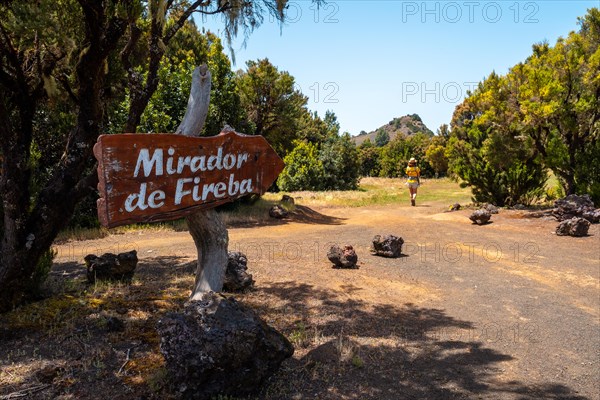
(206, 227)
(159, 177)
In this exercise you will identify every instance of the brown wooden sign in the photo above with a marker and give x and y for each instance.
(160, 177)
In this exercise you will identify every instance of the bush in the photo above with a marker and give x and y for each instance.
(339, 158)
(303, 169)
(517, 182)
(334, 167)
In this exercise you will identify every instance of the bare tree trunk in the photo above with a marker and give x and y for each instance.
(206, 227)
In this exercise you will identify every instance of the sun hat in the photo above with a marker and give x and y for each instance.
(412, 161)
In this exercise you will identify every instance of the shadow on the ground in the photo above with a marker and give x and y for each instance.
(364, 351)
(298, 213)
(307, 215)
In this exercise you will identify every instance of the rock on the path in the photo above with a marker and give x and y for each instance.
(455, 207)
(236, 276)
(285, 199)
(219, 347)
(387, 246)
(342, 257)
(576, 206)
(490, 207)
(573, 227)
(481, 217)
(111, 266)
(278, 212)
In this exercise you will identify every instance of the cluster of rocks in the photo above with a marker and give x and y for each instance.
(382, 245)
(576, 214)
(111, 267)
(574, 206)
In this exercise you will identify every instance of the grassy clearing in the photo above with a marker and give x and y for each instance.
(382, 191)
(371, 192)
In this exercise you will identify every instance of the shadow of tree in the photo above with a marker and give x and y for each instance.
(365, 351)
(298, 213)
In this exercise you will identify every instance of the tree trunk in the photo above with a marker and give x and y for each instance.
(206, 227)
(28, 233)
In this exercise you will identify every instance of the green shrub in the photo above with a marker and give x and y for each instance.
(303, 169)
(339, 157)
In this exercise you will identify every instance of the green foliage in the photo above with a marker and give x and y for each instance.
(335, 166)
(339, 158)
(394, 158)
(435, 155)
(543, 113)
(395, 155)
(495, 180)
(303, 169)
(312, 128)
(273, 106)
(369, 159)
(382, 137)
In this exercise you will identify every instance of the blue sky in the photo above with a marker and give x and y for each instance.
(370, 61)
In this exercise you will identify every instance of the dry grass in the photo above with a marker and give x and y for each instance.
(381, 191)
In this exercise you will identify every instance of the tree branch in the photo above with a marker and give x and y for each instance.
(190, 10)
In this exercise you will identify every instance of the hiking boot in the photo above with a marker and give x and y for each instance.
(412, 202)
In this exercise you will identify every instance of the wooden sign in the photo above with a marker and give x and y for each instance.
(160, 177)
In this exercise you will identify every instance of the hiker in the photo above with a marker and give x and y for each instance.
(414, 174)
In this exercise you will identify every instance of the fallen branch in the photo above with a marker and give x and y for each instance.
(24, 393)
(125, 363)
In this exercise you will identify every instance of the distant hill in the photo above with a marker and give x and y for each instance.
(407, 125)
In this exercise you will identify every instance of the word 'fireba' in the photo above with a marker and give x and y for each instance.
(155, 165)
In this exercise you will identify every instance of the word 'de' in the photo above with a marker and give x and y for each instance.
(158, 177)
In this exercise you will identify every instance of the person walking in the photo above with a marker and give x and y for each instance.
(414, 179)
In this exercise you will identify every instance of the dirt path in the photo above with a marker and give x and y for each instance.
(507, 310)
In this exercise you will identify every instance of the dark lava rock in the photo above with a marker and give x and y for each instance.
(111, 266)
(491, 208)
(278, 212)
(573, 227)
(481, 217)
(236, 276)
(342, 257)
(287, 199)
(455, 207)
(387, 246)
(576, 206)
(219, 347)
